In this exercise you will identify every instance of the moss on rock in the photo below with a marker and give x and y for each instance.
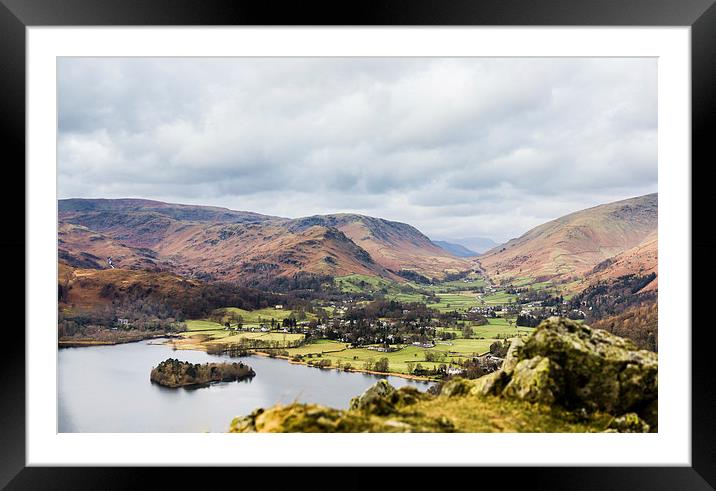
(537, 379)
(601, 371)
(491, 384)
(512, 357)
(314, 418)
(382, 398)
(456, 387)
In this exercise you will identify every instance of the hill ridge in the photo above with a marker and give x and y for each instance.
(575, 243)
(220, 243)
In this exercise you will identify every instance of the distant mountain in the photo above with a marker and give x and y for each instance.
(477, 244)
(221, 244)
(571, 246)
(456, 249)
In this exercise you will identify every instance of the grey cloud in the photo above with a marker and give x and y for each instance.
(458, 147)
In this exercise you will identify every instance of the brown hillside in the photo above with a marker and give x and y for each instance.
(393, 245)
(574, 244)
(236, 252)
(102, 294)
(83, 248)
(216, 243)
(86, 289)
(639, 260)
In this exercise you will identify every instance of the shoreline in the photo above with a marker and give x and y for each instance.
(88, 342)
(292, 362)
(355, 370)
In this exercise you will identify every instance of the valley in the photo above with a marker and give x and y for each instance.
(358, 244)
(345, 293)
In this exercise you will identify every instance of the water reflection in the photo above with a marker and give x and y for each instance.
(107, 389)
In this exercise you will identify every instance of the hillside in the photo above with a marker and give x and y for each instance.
(574, 244)
(395, 246)
(639, 260)
(639, 323)
(220, 244)
(88, 290)
(80, 247)
(93, 293)
(251, 252)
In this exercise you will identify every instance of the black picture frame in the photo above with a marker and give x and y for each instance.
(700, 15)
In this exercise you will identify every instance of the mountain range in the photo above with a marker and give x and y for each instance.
(213, 243)
(221, 244)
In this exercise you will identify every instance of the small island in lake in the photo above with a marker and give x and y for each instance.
(175, 373)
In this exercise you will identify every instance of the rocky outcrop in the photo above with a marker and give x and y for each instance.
(175, 373)
(382, 398)
(381, 408)
(570, 364)
(564, 377)
(314, 418)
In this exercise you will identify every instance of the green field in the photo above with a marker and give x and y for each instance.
(464, 347)
(496, 327)
(455, 301)
(474, 281)
(498, 298)
(320, 346)
(203, 325)
(398, 360)
(250, 318)
(464, 301)
(406, 297)
(454, 295)
(501, 327)
(227, 336)
(234, 337)
(391, 290)
(522, 281)
(359, 283)
(255, 317)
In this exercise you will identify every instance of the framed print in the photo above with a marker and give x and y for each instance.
(421, 236)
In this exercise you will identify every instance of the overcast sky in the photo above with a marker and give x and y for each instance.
(458, 147)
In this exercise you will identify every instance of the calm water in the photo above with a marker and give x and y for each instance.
(107, 389)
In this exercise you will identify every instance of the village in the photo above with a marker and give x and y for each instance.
(436, 333)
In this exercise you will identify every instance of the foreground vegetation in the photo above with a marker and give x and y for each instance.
(469, 414)
(566, 377)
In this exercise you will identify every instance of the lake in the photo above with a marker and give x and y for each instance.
(107, 389)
